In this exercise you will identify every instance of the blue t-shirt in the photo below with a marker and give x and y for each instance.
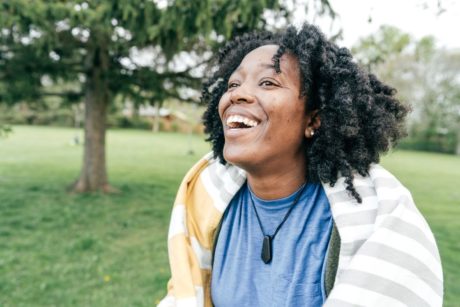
(295, 276)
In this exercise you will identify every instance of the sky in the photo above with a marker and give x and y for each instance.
(416, 17)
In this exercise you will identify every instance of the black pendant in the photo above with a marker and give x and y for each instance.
(267, 249)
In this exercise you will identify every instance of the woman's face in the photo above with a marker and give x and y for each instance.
(262, 113)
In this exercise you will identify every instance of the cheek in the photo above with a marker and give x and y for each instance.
(288, 110)
(289, 118)
(223, 103)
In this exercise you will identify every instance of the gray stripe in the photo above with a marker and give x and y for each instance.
(357, 219)
(341, 196)
(225, 196)
(383, 286)
(233, 173)
(386, 206)
(216, 180)
(339, 303)
(403, 228)
(349, 249)
(403, 260)
(219, 183)
(237, 175)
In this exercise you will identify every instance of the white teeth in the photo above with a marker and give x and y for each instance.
(240, 119)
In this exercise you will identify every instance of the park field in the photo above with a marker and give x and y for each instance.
(61, 249)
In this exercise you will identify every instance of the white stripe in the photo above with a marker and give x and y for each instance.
(377, 171)
(203, 255)
(397, 275)
(195, 301)
(381, 218)
(361, 297)
(177, 225)
(187, 302)
(405, 198)
(344, 261)
(167, 301)
(212, 190)
(350, 234)
(340, 208)
(386, 193)
(409, 246)
(199, 295)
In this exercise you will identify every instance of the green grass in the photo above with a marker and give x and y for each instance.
(59, 249)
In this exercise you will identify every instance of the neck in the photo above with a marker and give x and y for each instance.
(269, 184)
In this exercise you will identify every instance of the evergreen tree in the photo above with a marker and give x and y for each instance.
(97, 44)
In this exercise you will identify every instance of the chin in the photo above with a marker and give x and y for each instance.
(237, 156)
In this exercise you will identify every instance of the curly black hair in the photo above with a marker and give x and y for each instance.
(360, 115)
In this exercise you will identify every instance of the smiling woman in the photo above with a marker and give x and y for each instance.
(291, 207)
(273, 103)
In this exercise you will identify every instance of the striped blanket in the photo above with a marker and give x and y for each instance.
(388, 255)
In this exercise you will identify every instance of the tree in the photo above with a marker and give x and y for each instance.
(92, 43)
(381, 46)
(99, 46)
(426, 77)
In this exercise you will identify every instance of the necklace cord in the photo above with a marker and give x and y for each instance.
(299, 193)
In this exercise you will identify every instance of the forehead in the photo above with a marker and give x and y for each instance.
(261, 58)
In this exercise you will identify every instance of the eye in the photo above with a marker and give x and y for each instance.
(267, 83)
(232, 85)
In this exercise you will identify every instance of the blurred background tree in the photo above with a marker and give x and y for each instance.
(97, 50)
(427, 78)
(68, 62)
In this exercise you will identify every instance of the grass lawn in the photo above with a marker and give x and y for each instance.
(58, 249)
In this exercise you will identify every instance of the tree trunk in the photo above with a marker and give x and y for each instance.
(457, 149)
(157, 118)
(93, 175)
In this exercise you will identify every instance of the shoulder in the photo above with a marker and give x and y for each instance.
(385, 182)
(379, 183)
(213, 180)
(387, 239)
(387, 207)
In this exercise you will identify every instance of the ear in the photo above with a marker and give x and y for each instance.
(313, 122)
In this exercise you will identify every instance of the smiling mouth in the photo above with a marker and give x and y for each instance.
(240, 122)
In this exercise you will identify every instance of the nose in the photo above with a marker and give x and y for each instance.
(241, 94)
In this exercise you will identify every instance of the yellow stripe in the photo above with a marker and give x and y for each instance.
(202, 219)
(202, 215)
(185, 269)
(190, 178)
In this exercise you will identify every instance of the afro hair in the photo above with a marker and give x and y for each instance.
(360, 116)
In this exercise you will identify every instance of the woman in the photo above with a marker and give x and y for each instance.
(291, 207)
